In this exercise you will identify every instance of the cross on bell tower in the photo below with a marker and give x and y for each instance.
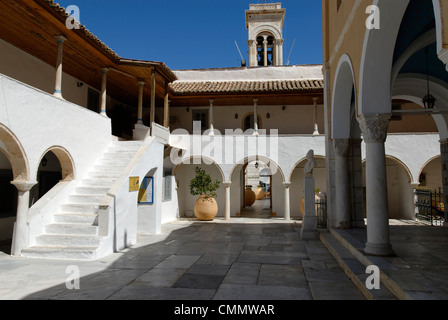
(265, 25)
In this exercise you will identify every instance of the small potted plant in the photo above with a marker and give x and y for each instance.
(206, 207)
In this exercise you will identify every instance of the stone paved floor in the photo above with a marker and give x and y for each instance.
(246, 259)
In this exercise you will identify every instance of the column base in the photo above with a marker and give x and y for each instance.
(309, 235)
(140, 132)
(309, 228)
(343, 225)
(379, 249)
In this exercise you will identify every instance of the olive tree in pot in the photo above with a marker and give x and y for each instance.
(206, 207)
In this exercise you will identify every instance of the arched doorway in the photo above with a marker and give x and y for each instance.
(8, 203)
(430, 176)
(56, 165)
(297, 191)
(257, 171)
(258, 193)
(400, 194)
(184, 173)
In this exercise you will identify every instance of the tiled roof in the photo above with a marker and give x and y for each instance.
(190, 87)
(61, 10)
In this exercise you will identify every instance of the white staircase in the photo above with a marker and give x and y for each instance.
(73, 235)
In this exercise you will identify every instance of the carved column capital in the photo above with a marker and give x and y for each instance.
(374, 127)
(341, 147)
(24, 186)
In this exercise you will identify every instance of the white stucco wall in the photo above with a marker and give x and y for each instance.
(295, 119)
(41, 121)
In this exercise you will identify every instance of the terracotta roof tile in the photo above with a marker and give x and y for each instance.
(190, 87)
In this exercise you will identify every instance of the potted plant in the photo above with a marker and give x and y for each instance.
(206, 207)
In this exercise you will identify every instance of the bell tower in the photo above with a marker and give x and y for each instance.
(265, 25)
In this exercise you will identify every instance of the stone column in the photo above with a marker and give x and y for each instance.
(265, 50)
(255, 117)
(211, 116)
(287, 201)
(279, 52)
(444, 158)
(253, 61)
(374, 128)
(58, 83)
(104, 92)
(141, 85)
(20, 241)
(227, 185)
(309, 223)
(356, 183)
(316, 126)
(342, 214)
(153, 97)
(166, 111)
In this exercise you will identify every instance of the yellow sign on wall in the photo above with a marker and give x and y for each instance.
(134, 184)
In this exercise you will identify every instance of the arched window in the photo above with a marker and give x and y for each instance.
(249, 122)
(265, 48)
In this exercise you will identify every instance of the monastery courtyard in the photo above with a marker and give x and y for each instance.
(241, 259)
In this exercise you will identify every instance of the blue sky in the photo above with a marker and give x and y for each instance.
(196, 34)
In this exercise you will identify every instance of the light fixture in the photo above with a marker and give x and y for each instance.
(268, 116)
(428, 101)
(284, 108)
(257, 165)
(236, 116)
(44, 161)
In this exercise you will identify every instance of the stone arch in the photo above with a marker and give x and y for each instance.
(422, 169)
(265, 29)
(344, 84)
(318, 157)
(440, 31)
(412, 87)
(204, 160)
(375, 87)
(274, 168)
(15, 154)
(403, 166)
(66, 161)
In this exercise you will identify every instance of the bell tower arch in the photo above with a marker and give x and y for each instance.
(265, 25)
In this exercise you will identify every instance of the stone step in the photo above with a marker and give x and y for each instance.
(119, 155)
(104, 174)
(98, 182)
(354, 269)
(86, 198)
(83, 208)
(92, 190)
(71, 229)
(68, 240)
(109, 168)
(61, 253)
(123, 148)
(116, 162)
(91, 219)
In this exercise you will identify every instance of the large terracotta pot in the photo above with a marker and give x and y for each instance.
(249, 197)
(259, 193)
(206, 209)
